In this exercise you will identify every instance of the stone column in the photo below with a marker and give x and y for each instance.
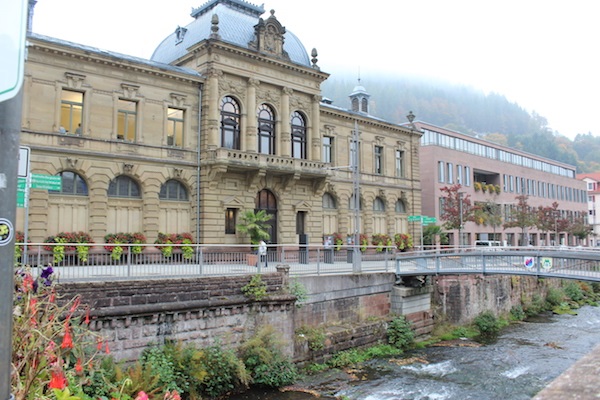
(285, 146)
(251, 140)
(315, 133)
(213, 103)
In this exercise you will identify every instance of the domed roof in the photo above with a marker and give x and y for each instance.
(236, 22)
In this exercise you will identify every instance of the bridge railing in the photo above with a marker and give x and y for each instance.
(560, 262)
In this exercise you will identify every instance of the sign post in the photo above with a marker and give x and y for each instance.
(13, 29)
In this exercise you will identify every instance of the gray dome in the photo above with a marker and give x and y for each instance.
(237, 19)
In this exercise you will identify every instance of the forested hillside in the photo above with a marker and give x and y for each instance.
(464, 109)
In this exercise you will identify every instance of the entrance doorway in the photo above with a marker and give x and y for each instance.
(265, 200)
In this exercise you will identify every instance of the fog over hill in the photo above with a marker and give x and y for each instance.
(467, 110)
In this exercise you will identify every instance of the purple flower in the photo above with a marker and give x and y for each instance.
(46, 272)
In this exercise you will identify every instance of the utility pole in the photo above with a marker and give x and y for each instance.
(356, 256)
(460, 226)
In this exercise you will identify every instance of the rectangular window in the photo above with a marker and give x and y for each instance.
(459, 178)
(441, 168)
(399, 163)
(71, 112)
(230, 218)
(175, 127)
(467, 176)
(518, 186)
(450, 172)
(126, 120)
(505, 183)
(327, 149)
(378, 160)
(512, 183)
(300, 222)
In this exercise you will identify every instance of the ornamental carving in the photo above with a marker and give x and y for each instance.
(269, 37)
(229, 86)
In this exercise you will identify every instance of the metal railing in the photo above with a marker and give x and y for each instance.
(83, 262)
(581, 263)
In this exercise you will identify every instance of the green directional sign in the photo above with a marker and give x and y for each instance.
(414, 218)
(46, 182)
(21, 189)
(428, 220)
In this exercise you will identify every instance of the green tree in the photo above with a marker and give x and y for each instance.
(456, 208)
(431, 231)
(256, 225)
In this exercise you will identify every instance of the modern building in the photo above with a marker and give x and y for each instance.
(489, 173)
(226, 116)
(592, 183)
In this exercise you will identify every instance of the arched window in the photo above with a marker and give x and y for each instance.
(329, 202)
(230, 123)
(298, 135)
(173, 190)
(123, 186)
(266, 130)
(378, 205)
(400, 207)
(351, 203)
(72, 184)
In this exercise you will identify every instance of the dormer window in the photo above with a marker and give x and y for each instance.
(179, 34)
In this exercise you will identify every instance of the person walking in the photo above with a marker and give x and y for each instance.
(262, 252)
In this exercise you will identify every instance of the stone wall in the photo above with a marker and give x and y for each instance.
(458, 299)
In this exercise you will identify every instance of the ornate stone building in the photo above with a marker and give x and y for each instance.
(226, 116)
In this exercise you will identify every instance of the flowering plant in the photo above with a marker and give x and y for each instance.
(403, 241)
(19, 238)
(51, 342)
(124, 238)
(184, 240)
(381, 240)
(337, 241)
(69, 237)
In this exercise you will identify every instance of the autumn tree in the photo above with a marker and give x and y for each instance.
(456, 208)
(521, 216)
(547, 217)
(488, 213)
(580, 228)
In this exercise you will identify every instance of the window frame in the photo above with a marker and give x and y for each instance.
(230, 122)
(117, 183)
(378, 159)
(170, 186)
(298, 135)
(266, 128)
(128, 116)
(70, 104)
(172, 124)
(77, 182)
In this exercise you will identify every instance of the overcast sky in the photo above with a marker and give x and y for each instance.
(541, 54)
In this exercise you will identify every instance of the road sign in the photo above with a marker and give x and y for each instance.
(414, 218)
(24, 161)
(46, 182)
(428, 220)
(21, 192)
(13, 20)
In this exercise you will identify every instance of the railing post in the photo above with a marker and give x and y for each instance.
(200, 255)
(318, 259)
(129, 260)
(437, 264)
(483, 262)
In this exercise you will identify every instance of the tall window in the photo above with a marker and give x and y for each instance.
(467, 176)
(266, 130)
(399, 163)
(71, 111)
(72, 184)
(378, 205)
(175, 127)
(329, 202)
(400, 207)
(327, 149)
(298, 135)
(459, 174)
(441, 171)
(126, 120)
(378, 160)
(173, 190)
(230, 123)
(230, 218)
(123, 186)
(450, 178)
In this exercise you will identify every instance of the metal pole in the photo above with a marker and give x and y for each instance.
(460, 208)
(10, 126)
(356, 259)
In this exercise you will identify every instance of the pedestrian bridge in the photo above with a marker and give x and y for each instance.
(544, 262)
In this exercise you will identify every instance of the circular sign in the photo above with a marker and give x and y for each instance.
(6, 231)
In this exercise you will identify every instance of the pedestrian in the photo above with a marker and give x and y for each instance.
(262, 252)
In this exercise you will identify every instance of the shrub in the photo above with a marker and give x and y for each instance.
(517, 313)
(400, 333)
(297, 289)
(555, 297)
(381, 240)
(178, 239)
(69, 237)
(338, 241)
(256, 289)
(19, 238)
(315, 337)
(487, 323)
(224, 371)
(265, 361)
(124, 238)
(574, 292)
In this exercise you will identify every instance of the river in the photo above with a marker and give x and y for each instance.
(524, 359)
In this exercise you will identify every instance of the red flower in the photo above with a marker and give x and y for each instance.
(67, 342)
(106, 349)
(87, 317)
(58, 380)
(78, 367)
(142, 396)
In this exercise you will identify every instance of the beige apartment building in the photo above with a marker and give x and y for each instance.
(449, 158)
(226, 116)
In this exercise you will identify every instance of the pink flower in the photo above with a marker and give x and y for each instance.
(142, 396)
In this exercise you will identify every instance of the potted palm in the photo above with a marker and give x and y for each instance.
(255, 224)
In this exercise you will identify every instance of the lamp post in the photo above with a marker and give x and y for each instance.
(460, 211)
(356, 259)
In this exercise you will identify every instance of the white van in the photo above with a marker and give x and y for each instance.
(488, 245)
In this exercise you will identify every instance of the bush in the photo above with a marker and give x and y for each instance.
(59, 250)
(574, 292)
(381, 240)
(256, 289)
(487, 323)
(265, 361)
(177, 239)
(517, 313)
(403, 241)
(400, 334)
(555, 297)
(124, 238)
(314, 336)
(224, 371)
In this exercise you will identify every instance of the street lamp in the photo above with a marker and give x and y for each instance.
(460, 211)
(356, 259)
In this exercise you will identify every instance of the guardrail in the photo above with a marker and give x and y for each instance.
(76, 261)
(581, 263)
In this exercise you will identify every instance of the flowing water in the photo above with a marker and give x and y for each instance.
(525, 358)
